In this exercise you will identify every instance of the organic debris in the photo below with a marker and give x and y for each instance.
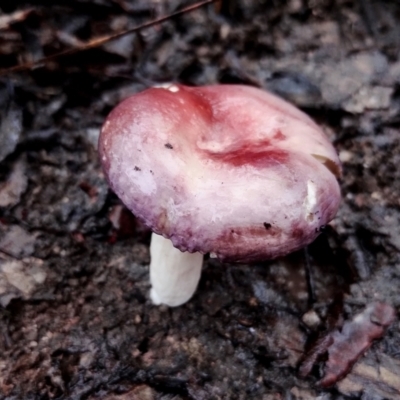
(344, 346)
(76, 321)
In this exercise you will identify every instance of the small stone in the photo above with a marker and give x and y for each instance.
(311, 319)
(345, 156)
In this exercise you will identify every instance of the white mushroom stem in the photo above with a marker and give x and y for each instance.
(174, 275)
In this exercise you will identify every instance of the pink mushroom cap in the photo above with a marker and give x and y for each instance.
(229, 170)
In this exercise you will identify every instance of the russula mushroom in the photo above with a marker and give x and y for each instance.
(228, 170)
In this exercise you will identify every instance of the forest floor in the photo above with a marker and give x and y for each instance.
(76, 321)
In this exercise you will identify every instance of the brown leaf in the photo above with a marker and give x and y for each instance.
(354, 339)
(344, 347)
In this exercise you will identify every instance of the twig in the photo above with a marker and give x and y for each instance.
(10, 255)
(104, 39)
(309, 278)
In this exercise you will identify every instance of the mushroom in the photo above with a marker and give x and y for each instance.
(229, 170)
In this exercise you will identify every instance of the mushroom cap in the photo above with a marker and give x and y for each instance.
(229, 170)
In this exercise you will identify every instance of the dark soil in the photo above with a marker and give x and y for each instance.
(76, 320)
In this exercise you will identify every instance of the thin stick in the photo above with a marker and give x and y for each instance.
(10, 255)
(309, 278)
(101, 40)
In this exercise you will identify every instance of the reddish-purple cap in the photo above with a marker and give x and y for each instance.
(229, 170)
